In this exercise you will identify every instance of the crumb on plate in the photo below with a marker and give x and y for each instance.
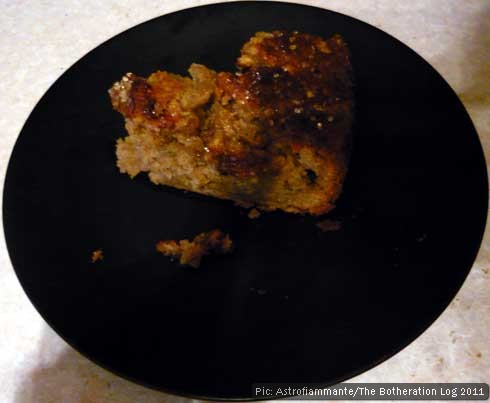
(190, 253)
(97, 255)
(254, 213)
(329, 225)
(243, 204)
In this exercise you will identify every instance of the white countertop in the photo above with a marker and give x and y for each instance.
(39, 40)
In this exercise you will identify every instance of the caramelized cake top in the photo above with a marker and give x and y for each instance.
(292, 90)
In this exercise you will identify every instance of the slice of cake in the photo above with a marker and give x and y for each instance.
(275, 134)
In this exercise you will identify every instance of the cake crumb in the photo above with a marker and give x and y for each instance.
(254, 213)
(190, 253)
(329, 225)
(97, 255)
(243, 204)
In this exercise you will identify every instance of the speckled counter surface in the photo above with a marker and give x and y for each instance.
(39, 40)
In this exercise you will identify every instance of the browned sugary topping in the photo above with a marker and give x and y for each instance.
(135, 96)
(300, 84)
(153, 100)
(190, 253)
(295, 87)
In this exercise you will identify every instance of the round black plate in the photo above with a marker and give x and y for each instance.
(292, 304)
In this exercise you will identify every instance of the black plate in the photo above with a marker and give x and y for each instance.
(292, 304)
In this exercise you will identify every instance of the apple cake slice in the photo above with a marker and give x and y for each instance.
(274, 134)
